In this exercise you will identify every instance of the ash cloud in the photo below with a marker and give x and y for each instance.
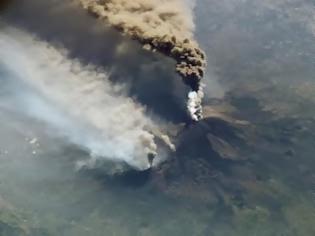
(163, 26)
(78, 102)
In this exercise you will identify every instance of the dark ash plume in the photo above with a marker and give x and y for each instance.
(162, 26)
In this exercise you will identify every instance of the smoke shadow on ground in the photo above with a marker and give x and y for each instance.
(149, 77)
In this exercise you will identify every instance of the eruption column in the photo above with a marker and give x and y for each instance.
(164, 26)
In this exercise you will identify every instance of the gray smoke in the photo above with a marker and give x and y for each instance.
(78, 102)
(163, 26)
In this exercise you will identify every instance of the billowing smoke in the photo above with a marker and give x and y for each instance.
(78, 102)
(165, 26)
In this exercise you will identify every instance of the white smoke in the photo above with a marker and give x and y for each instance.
(77, 102)
(194, 104)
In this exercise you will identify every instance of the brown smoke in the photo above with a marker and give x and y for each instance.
(4, 4)
(165, 26)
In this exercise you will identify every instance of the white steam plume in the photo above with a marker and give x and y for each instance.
(78, 101)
